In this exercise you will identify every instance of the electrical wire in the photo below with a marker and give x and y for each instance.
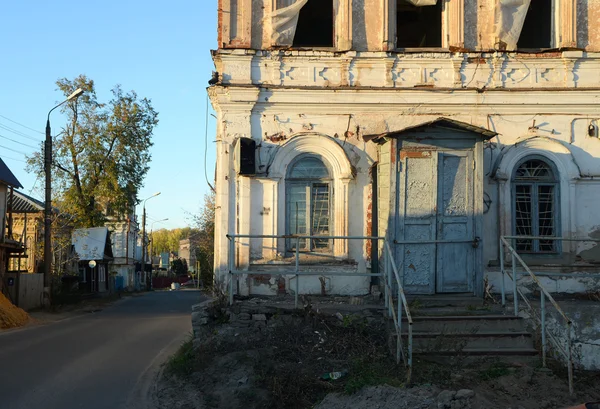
(206, 145)
(14, 150)
(8, 157)
(20, 143)
(24, 135)
(24, 126)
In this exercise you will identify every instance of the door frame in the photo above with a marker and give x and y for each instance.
(444, 139)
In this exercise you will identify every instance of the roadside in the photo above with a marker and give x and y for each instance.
(66, 311)
(262, 353)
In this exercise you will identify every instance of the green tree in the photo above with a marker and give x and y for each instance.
(204, 240)
(179, 266)
(101, 156)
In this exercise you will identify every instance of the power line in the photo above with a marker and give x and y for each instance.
(8, 157)
(14, 150)
(24, 135)
(24, 126)
(21, 143)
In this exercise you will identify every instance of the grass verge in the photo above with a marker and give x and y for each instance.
(182, 363)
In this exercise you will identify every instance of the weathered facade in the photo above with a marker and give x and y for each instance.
(461, 120)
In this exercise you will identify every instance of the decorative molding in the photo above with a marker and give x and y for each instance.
(389, 24)
(334, 156)
(343, 24)
(455, 31)
(568, 23)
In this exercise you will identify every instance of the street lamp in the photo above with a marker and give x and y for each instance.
(48, 204)
(152, 241)
(148, 280)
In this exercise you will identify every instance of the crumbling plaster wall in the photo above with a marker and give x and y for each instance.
(283, 114)
(252, 27)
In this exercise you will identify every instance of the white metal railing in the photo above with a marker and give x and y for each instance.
(567, 353)
(402, 305)
(387, 276)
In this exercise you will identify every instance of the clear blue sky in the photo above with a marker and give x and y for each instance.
(160, 49)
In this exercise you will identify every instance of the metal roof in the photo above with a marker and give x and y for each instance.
(438, 122)
(7, 176)
(92, 243)
(25, 204)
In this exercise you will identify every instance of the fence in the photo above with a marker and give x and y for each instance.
(388, 276)
(25, 290)
(544, 294)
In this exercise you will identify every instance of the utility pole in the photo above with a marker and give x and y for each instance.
(148, 279)
(48, 198)
(144, 245)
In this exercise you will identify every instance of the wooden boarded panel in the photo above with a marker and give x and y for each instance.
(454, 270)
(417, 205)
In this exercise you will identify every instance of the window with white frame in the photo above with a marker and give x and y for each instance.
(309, 198)
(535, 190)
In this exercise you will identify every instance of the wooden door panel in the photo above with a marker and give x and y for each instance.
(454, 267)
(417, 204)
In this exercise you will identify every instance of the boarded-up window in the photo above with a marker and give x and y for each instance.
(315, 25)
(418, 26)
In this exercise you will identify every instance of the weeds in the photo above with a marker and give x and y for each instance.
(182, 363)
(495, 371)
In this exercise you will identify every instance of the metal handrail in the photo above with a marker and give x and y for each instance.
(296, 272)
(385, 276)
(402, 304)
(544, 294)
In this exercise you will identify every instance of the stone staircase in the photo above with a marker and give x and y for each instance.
(461, 325)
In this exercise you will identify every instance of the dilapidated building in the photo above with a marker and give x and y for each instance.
(439, 125)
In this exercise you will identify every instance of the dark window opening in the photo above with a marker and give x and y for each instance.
(537, 28)
(535, 192)
(418, 26)
(315, 25)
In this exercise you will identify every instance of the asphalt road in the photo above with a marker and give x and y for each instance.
(107, 359)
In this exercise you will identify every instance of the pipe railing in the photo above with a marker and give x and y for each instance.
(544, 294)
(386, 275)
(402, 305)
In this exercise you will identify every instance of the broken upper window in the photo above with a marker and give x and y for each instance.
(419, 23)
(537, 28)
(315, 25)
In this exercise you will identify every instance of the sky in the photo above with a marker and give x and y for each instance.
(159, 49)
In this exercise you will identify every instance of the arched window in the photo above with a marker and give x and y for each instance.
(536, 204)
(308, 188)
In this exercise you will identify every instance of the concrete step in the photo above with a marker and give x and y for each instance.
(444, 300)
(512, 353)
(468, 324)
(438, 342)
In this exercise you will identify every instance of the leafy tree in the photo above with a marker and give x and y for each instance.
(101, 156)
(168, 240)
(205, 239)
(179, 266)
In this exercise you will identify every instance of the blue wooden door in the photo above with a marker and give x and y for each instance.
(455, 227)
(417, 207)
(435, 204)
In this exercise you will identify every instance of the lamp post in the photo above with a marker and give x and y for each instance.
(48, 203)
(152, 243)
(148, 280)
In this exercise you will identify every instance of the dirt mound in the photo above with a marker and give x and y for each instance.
(10, 315)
